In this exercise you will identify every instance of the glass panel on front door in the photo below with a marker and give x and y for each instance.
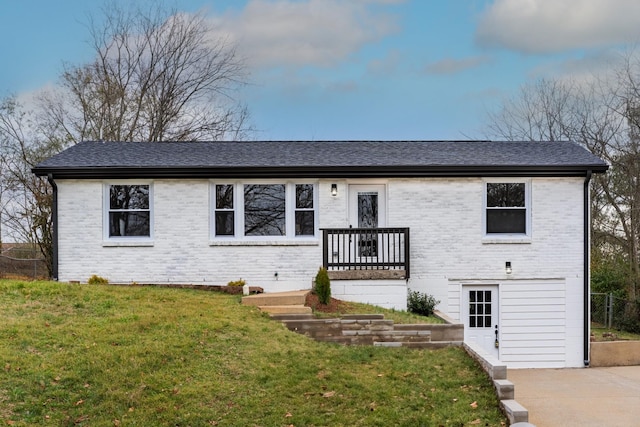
(480, 309)
(368, 218)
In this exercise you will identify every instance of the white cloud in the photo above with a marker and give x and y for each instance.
(300, 33)
(453, 65)
(386, 64)
(585, 67)
(539, 26)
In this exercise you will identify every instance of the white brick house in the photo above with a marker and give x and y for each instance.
(497, 231)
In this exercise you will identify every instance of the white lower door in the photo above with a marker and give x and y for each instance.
(480, 311)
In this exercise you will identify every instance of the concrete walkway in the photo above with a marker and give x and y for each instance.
(599, 397)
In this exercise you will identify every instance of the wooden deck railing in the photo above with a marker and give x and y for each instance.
(366, 249)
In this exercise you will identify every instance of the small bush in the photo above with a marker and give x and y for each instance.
(420, 303)
(323, 286)
(237, 283)
(97, 280)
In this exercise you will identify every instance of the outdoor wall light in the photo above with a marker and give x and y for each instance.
(334, 189)
(507, 267)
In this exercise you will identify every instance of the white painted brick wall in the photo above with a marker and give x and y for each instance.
(444, 216)
(181, 251)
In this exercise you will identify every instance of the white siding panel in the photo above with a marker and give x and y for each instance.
(536, 351)
(542, 319)
(533, 317)
(551, 311)
(529, 329)
(539, 292)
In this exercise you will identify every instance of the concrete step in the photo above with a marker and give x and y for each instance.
(414, 327)
(335, 340)
(284, 317)
(416, 344)
(362, 317)
(276, 298)
(285, 309)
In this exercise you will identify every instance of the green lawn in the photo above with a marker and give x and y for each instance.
(600, 333)
(142, 356)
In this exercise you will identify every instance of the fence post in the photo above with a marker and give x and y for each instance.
(610, 310)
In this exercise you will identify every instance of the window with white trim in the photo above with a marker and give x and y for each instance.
(507, 209)
(304, 210)
(128, 211)
(264, 210)
(224, 213)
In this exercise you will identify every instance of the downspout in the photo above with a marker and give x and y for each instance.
(54, 231)
(587, 261)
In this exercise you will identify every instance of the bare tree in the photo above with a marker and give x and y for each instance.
(157, 75)
(26, 207)
(603, 115)
(541, 111)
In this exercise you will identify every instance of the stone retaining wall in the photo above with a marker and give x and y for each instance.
(505, 389)
(615, 353)
(375, 330)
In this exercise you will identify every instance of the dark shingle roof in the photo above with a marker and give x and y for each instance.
(319, 159)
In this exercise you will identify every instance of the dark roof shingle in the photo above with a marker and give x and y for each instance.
(319, 159)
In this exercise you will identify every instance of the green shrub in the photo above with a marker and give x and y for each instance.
(420, 303)
(237, 283)
(97, 280)
(323, 286)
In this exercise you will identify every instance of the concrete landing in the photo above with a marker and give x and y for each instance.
(291, 302)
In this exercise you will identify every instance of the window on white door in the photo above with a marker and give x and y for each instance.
(480, 309)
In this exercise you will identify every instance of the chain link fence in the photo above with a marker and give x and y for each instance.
(615, 313)
(22, 262)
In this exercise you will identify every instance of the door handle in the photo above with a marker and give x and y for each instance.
(497, 343)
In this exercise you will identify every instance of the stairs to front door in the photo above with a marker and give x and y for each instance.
(290, 303)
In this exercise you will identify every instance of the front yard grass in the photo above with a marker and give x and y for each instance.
(338, 308)
(100, 355)
(600, 334)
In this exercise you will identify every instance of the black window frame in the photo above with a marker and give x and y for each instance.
(120, 210)
(296, 220)
(508, 212)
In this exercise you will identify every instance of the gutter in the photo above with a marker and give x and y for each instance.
(586, 263)
(336, 172)
(54, 222)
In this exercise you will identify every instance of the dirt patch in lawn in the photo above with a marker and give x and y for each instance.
(335, 306)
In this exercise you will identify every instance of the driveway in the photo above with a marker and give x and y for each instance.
(579, 397)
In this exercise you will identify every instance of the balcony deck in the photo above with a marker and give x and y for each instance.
(366, 253)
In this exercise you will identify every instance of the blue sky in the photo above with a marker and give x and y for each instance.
(357, 69)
